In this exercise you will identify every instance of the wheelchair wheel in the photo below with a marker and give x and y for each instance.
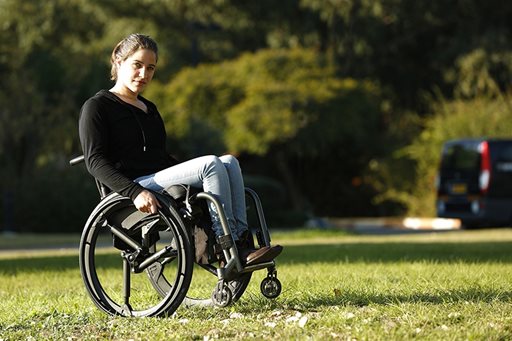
(204, 283)
(205, 277)
(202, 286)
(119, 245)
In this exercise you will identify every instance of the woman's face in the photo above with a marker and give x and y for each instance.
(135, 72)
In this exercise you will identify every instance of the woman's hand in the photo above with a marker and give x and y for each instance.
(146, 202)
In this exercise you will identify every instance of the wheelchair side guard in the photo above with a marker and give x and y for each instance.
(118, 209)
(118, 214)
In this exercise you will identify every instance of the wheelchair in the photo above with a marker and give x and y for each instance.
(141, 265)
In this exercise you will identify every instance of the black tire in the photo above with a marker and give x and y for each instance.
(270, 287)
(101, 263)
(198, 297)
(202, 286)
(471, 225)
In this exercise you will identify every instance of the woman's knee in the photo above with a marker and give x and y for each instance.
(229, 160)
(211, 163)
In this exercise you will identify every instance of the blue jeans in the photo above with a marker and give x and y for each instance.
(220, 176)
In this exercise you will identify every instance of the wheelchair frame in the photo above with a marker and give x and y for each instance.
(177, 219)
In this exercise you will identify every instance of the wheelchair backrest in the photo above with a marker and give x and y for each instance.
(102, 189)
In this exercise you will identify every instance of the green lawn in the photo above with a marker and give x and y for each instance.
(429, 286)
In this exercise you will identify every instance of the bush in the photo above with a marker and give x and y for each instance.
(287, 107)
(480, 117)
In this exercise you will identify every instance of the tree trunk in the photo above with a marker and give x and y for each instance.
(292, 187)
(8, 210)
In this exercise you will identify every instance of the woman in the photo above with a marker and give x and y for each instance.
(123, 139)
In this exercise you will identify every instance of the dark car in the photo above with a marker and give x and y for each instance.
(474, 183)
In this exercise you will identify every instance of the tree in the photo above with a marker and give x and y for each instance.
(281, 103)
(481, 106)
(41, 41)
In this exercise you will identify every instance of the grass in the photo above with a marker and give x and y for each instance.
(429, 286)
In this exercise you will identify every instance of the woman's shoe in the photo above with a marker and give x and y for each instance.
(261, 255)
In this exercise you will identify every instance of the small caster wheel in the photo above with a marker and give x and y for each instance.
(270, 287)
(222, 295)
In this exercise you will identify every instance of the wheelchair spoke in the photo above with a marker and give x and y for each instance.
(162, 254)
(126, 287)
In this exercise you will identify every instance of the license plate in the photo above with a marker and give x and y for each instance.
(459, 189)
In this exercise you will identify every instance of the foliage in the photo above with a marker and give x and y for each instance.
(481, 73)
(39, 69)
(285, 103)
(260, 100)
(411, 47)
(359, 75)
(478, 117)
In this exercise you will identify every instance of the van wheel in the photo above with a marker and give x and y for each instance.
(470, 225)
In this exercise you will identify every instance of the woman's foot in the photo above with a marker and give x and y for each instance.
(250, 255)
(264, 254)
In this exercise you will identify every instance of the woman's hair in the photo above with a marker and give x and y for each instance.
(128, 46)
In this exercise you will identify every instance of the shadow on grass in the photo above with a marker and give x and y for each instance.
(390, 252)
(436, 296)
(364, 298)
(386, 252)
(38, 264)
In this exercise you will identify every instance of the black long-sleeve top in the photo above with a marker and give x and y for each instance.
(121, 142)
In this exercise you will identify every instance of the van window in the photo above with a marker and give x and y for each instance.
(460, 158)
(502, 156)
(501, 176)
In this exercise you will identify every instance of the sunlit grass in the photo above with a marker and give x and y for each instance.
(439, 286)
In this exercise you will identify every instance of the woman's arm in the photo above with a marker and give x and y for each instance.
(94, 137)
